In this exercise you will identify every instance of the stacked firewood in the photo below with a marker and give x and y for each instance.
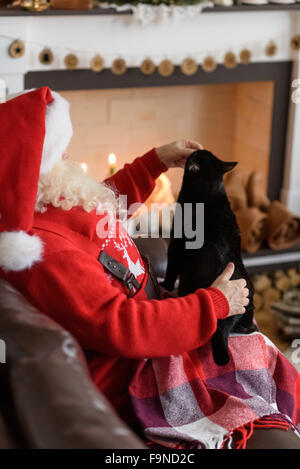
(287, 314)
(261, 220)
(270, 288)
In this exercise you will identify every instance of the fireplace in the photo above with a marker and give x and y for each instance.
(240, 115)
(233, 120)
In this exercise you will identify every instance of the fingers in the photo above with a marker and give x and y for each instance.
(184, 149)
(244, 292)
(193, 144)
(228, 272)
(176, 153)
(241, 282)
(246, 302)
(235, 291)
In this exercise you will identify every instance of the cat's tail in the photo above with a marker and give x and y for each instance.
(219, 343)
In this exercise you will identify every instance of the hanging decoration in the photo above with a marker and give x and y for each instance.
(271, 49)
(189, 66)
(209, 64)
(71, 61)
(147, 67)
(46, 57)
(245, 56)
(230, 60)
(97, 63)
(166, 68)
(295, 42)
(16, 49)
(119, 67)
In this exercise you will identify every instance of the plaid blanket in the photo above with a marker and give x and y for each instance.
(188, 401)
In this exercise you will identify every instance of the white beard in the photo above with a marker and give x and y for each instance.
(66, 186)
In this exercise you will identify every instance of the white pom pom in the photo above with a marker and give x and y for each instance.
(19, 250)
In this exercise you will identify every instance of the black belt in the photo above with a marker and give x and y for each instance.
(117, 269)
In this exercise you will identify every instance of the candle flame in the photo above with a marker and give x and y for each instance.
(84, 167)
(112, 159)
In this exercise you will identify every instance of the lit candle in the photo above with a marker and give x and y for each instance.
(84, 167)
(112, 163)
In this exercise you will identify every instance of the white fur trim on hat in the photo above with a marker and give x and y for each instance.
(58, 132)
(19, 250)
(59, 129)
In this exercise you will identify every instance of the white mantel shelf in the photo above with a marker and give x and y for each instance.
(111, 11)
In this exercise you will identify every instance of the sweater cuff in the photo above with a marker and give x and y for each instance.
(220, 302)
(153, 163)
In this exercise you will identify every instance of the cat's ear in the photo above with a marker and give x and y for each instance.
(228, 165)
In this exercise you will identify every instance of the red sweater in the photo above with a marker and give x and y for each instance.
(71, 286)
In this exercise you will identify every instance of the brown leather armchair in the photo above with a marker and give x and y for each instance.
(47, 399)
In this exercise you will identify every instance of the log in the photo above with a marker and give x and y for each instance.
(270, 296)
(261, 282)
(294, 277)
(279, 274)
(283, 283)
(291, 272)
(258, 301)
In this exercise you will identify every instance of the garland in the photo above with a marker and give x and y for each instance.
(148, 65)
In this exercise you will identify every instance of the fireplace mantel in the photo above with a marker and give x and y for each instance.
(111, 35)
(110, 11)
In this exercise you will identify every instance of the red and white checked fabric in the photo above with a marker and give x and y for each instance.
(188, 401)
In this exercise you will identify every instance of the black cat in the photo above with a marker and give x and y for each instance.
(198, 268)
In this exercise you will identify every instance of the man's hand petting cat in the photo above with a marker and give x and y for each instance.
(175, 154)
(235, 291)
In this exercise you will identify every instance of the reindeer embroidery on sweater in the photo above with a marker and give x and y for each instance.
(135, 267)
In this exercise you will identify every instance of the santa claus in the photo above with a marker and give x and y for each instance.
(93, 281)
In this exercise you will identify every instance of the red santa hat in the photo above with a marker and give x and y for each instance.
(35, 130)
